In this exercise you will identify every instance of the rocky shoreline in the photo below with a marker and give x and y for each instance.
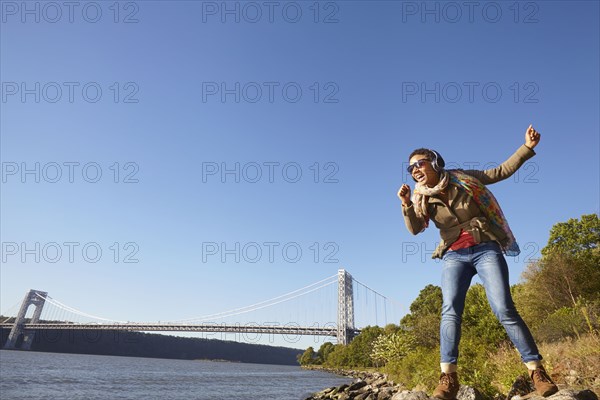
(364, 385)
(377, 386)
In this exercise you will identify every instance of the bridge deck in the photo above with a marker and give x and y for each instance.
(281, 330)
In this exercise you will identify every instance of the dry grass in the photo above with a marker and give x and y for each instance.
(575, 362)
(572, 363)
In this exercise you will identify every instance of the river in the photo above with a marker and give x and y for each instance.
(36, 375)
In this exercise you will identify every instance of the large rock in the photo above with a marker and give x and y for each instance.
(411, 395)
(379, 382)
(565, 394)
(357, 385)
(469, 393)
(365, 396)
(520, 387)
(586, 395)
(386, 393)
(464, 393)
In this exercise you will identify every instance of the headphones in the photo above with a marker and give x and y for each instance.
(437, 163)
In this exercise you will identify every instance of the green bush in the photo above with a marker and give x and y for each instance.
(476, 368)
(479, 322)
(420, 368)
(394, 346)
(508, 367)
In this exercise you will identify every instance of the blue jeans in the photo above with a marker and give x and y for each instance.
(487, 260)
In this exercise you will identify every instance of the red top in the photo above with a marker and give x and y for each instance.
(465, 239)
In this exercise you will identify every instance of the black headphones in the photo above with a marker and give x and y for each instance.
(437, 163)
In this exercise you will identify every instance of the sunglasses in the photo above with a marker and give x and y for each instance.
(417, 164)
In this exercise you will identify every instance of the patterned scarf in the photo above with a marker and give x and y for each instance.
(481, 195)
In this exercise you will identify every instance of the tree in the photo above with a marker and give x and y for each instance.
(390, 329)
(424, 318)
(556, 281)
(308, 357)
(566, 279)
(338, 357)
(359, 350)
(575, 237)
(324, 351)
(429, 301)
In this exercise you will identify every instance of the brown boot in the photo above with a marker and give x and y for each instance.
(542, 382)
(447, 389)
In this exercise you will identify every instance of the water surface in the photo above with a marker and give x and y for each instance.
(36, 375)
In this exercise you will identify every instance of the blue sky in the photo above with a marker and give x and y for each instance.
(346, 89)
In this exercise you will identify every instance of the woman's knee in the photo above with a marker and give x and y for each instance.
(507, 314)
(452, 309)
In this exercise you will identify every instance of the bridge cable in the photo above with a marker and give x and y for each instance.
(232, 312)
(260, 307)
(75, 311)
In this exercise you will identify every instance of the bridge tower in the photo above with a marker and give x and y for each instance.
(36, 298)
(345, 328)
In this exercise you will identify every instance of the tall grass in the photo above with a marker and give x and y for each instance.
(572, 363)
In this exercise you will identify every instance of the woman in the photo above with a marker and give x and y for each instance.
(474, 234)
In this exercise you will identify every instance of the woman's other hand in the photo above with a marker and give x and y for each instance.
(532, 137)
(404, 195)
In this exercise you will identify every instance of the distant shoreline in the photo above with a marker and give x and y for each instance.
(151, 345)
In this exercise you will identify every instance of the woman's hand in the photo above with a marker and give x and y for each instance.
(404, 195)
(532, 137)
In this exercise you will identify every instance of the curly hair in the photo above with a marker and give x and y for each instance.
(436, 158)
(426, 152)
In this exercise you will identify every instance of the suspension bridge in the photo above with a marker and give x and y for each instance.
(50, 313)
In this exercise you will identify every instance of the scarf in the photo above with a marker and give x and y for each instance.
(481, 195)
